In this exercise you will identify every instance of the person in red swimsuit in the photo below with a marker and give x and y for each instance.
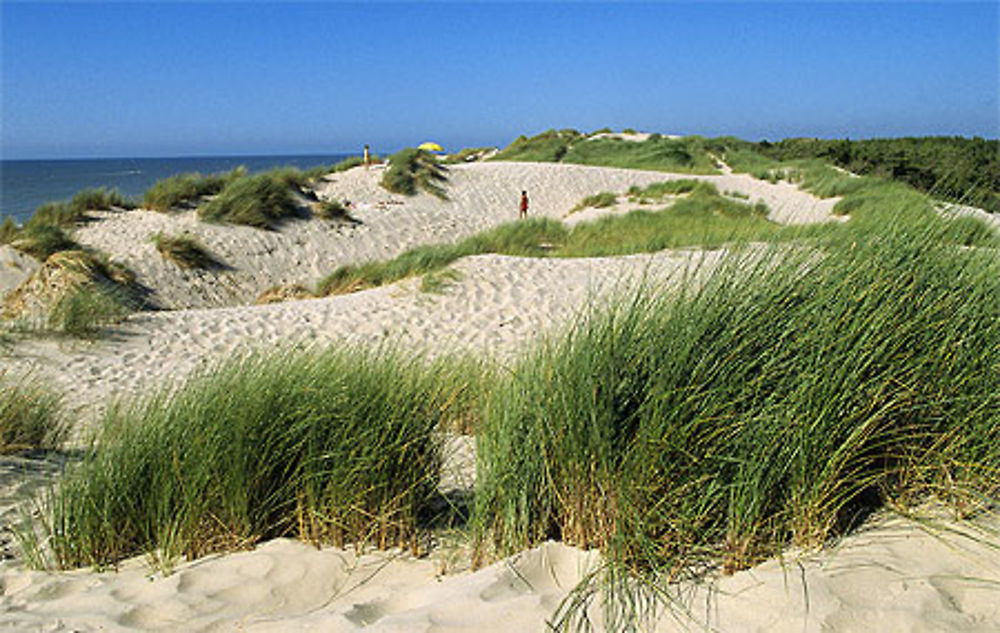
(524, 206)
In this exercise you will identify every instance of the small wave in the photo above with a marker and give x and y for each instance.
(131, 172)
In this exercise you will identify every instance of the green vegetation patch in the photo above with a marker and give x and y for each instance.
(702, 220)
(534, 237)
(65, 214)
(957, 169)
(30, 417)
(260, 201)
(689, 154)
(547, 147)
(173, 192)
(412, 170)
(776, 400)
(184, 250)
(41, 241)
(333, 447)
(597, 201)
(686, 154)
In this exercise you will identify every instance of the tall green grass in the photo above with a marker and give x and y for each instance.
(65, 214)
(42, 240)
(30, 416)
(412, 170)
(261, 201)
(778, 399)
(173, 192)
(88, 310)
(338, 446)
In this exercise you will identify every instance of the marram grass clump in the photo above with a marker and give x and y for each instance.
(777, 400)
(412, 170)
(30, 416)
(184, 250)
(190, 188)
(261, 201)
(338, 446)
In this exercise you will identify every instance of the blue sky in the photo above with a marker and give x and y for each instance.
(168, 79)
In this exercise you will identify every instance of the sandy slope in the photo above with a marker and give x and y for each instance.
(892, 577)
(481, 195)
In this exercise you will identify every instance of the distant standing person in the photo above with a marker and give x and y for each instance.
(368, 157)
(523, 215)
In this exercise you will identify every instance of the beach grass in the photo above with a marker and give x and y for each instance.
(86, 311)
(331, 210)
(9, 230)
(597, 201)
(42, 240)
(337, 446)
(705, 219)
(184, 250)
(549, 146)
(30, 416)
(412, 170)
(66, 214)
(688, 155)
(260, 201)
(176, 191)
(778, 399)
(684, 155)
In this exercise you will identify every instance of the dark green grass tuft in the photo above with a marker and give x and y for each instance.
(184, 250)
(87, 311)
(260, 201)
(659, 190)
(9, 230)
(679, 155)
(338, 446)
(176, 191)
(549, 146)
(42, 240)
(30, 417)
(777, 400)
(412, 170)
(597, 201)
(66, 214)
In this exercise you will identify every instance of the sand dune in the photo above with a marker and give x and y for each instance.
(893, 575)
(481, 195)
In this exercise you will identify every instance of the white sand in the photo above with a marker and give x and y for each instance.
(15, 267)
(893, 577)
(481, 195)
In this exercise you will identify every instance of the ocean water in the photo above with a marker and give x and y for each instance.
(27, 184)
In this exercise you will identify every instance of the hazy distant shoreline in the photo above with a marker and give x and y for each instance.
(26, 184)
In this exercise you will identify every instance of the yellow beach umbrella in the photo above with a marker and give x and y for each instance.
(430, 147)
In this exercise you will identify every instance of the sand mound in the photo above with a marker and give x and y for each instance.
(381, 225)
(893, 576)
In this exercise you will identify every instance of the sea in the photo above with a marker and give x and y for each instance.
(27, 184)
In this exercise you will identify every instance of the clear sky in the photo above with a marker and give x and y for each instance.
(168, 79)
